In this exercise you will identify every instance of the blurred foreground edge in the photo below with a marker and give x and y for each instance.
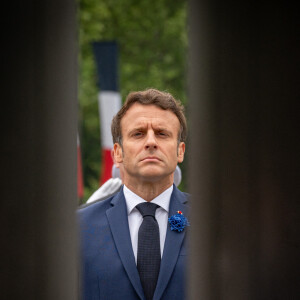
(243, 150)
(38, 161)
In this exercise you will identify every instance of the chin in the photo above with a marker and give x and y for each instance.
(154, 176)
(152, 172)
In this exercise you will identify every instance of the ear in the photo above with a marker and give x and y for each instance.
(112, 155)
(118, 154)
(180, 152)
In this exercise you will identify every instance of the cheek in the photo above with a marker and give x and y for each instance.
(129, 153)
(172, 153)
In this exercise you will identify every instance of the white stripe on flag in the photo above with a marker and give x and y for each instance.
(109, 105)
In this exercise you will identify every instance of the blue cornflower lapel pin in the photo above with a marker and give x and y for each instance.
(178, 221)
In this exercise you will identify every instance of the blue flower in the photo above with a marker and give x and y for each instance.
(178, 221)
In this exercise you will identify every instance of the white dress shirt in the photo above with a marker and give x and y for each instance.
(135, 218)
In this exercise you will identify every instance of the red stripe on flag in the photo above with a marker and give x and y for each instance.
(107, 164)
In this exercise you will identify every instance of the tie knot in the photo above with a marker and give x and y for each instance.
(147, 209)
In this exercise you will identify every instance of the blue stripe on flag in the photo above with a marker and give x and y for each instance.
(106, 54)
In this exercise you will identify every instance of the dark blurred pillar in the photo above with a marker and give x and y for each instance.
(38, 152)
(243, 175)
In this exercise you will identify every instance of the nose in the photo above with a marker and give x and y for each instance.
(151, 142)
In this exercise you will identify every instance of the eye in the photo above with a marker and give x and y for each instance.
(162, 133)
(137, 134)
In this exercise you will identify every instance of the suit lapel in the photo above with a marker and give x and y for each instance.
(118, 222)
(172, 246)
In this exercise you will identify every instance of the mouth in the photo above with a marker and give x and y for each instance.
(151, 159)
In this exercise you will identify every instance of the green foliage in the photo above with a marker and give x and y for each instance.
(152, 43)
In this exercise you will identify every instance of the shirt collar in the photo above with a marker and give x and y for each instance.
(132, 199)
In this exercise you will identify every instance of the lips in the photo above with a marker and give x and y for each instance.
(151, 158)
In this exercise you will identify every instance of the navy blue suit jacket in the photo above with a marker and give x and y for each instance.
(108, 265)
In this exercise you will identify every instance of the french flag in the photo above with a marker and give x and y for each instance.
(109, 99)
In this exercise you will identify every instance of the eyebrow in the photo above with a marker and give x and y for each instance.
(163, 129)
(144, 128)
(140, 128)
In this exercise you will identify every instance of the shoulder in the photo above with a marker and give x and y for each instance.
(108, 189)
(183, 196)
(95, 205)
(94, 210)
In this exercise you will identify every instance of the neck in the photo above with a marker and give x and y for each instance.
(146, 189)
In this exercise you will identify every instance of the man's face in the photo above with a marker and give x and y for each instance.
(150, 150)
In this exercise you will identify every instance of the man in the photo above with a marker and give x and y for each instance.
(129, 250)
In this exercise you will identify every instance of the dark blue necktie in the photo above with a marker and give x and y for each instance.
(148, 254)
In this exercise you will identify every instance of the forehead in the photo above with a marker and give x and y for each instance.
(144, 115)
